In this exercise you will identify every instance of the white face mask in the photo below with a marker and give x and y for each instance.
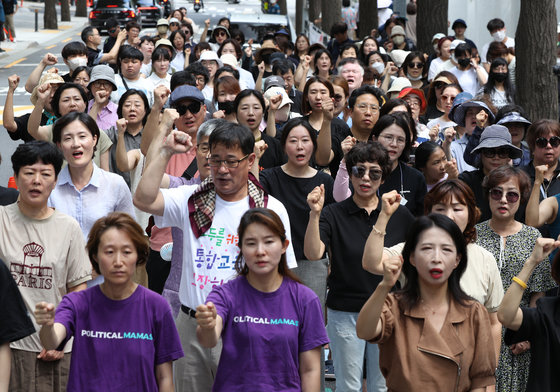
(379, 67)
(409, 77)
(76, 62)
(499, 35)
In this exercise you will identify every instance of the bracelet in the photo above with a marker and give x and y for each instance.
(377, 231)
(519, 282)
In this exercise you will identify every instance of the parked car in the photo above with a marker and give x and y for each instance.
(123, 10)
(257, 26)
(149, 12)
(145, 12)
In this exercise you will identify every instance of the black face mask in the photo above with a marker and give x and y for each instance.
(499, 77)
(464, 63)
(226, 106)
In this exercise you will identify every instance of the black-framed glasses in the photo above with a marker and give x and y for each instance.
(193, 108)
(492, 152)
(229, 163)
(542, 142)
(360, 171)
(221, 33)
(416, 65)
(497, 194)
(174, 24)
(112, 31)
(440, 85)
(338, 97)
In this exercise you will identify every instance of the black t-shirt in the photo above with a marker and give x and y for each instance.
(339, 132)
(432, 112)
(16, 323)
(296, 96)
(92, 55)
(292, 192)
(344, 229)
(273, 156)
(21, 132)
(410, 183)
(540, 327)
(8, 196)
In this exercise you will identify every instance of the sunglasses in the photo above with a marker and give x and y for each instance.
(193, 108)
(492, 152)
(440, 85)
(497, 194)
(174, 24)
(221, 33)
(338, 97)
(542, 142)
(360, 171)
(416, 65)
(112, 31)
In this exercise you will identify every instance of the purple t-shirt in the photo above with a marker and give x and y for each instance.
(117, 344)
(264, 333)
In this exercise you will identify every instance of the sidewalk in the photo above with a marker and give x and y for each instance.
(29, 41)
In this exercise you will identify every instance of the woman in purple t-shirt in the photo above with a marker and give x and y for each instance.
(271, 326)
(124, 335)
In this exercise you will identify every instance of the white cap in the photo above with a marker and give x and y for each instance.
(399, 84)
(272, 91)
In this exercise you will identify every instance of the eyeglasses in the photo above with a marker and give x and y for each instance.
(440, 85)
(338, 97)
(102, 84)
(498, 194)
(229, 163)
(365, 107)
(204, 148)
(360, 171)
(112, 31)
(390, 139)
(193, 108)
(412, 103)
(492, 152)
(200, 80)
(416, 65)
(542, 142)
(174, 24)
(221, 33)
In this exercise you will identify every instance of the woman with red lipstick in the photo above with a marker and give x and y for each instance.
(511, 242)
(431, 335)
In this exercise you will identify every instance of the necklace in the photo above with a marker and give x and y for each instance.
(429, 309)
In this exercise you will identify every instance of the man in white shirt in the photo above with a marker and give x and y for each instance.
(209, 215)
(497, 29)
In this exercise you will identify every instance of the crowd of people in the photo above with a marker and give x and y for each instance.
(229, 215)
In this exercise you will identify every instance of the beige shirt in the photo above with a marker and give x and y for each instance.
(44, 257)
(481, 279)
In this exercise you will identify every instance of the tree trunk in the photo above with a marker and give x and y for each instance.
(283, 7)
(81, 8)
(536, 85)
(299, 16)
(331, 11)
(314, 10)
(432, 19)
(49, 17)
(367, 17)
(65, 10)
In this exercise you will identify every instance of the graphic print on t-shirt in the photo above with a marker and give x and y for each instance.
(30, 273)
(216, 251)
